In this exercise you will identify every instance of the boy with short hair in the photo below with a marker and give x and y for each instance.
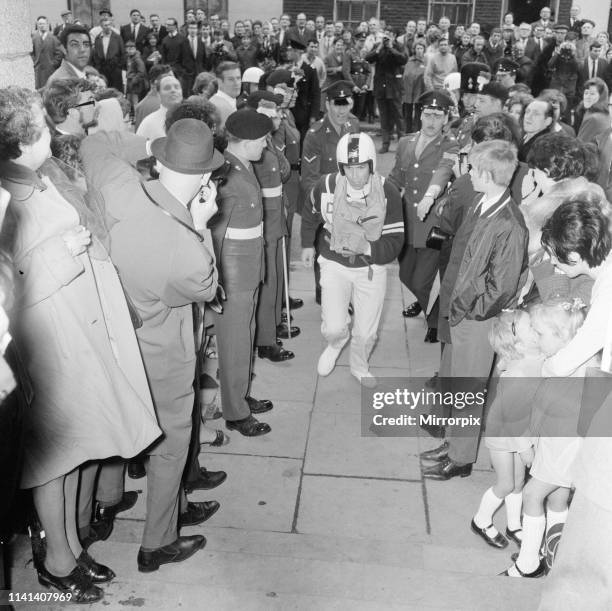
(491, 245)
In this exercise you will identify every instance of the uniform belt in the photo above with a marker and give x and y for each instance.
(238, 233)
(272, 191)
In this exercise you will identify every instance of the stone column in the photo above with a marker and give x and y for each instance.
(16, 66)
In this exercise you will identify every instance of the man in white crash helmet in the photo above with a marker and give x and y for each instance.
(250, 84)
(363, 230)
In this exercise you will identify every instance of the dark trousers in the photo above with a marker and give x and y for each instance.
(418, 268)
(370, 106)
(359, 109)
(390, 110)
(235, 336)
(270, 299)
(412, 117)
(113, 76)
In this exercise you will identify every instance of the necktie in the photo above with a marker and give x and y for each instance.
(134, 31)
(593, 68)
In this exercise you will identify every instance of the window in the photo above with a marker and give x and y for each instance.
(460, 12)
(353, 12)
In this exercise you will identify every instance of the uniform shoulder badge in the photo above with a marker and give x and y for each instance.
(310, 159)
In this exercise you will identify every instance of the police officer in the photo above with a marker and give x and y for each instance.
(238, 241)
(319, 151)
(423, 167)
(505, 70)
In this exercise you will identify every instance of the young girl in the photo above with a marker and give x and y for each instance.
(515, 344)
(555, 412)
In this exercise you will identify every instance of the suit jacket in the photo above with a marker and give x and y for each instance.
(115, 55)
(584, 73)
(47, 55)
(388, 75)
(415, 175)
(141, 38)
(308, 103)
(65, 70)
(338, 69)
(171, 49)
(576, 26)
(304, 37)
(532, 49)
(193, 65)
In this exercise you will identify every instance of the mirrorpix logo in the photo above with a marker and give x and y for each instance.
(399, 411)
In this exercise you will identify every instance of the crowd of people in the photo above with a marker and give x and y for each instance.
(140, 271)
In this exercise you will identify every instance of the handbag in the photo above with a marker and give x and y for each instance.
(436, 238)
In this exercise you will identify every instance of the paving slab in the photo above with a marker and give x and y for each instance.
(367, 508)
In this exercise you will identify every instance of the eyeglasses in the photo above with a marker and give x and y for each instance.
(91, 102)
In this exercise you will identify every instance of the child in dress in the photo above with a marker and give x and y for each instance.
(519, 356)
(557, 402)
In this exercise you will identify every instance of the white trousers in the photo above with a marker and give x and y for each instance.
(342, 285)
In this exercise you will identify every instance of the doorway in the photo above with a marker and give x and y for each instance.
(529, 10)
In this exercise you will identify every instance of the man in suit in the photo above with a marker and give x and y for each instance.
(585, 39)
(592, 66)
(423, 167)
(389, 59)
(308, 102)
(237, 235)
(76, 41)
(193, 58)
(545, 20)
(67, 19)
(171, 47)
(109, 55)
(283, 32)
(230, 83)
(136, 30)
(47, 52)
(535, 44)
(575, 24)
(156, 27)
(299, 32)
(165, 267)
(97, 30)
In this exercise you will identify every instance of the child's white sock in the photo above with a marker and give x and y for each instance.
(555, 517)
(514, 504)
(533, 531)
(489, 504)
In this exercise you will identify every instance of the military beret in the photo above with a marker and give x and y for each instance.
(294, 43)
(588, 21)
(473, 76)
(436, 100)
(560, 26)
(280, 76)
(505, 64)
(339, 92)
(257, 96)
(495, 90)
(246, 124)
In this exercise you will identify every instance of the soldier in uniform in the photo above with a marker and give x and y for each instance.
(505, 70)
(360, 73)
(238, 242)
(423, 167)
(473, 77)
(271, 171)
(319, 151)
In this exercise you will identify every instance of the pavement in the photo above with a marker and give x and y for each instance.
(315, 516)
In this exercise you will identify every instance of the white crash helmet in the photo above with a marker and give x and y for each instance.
(353, 149)
(252, 75)
(452, 81)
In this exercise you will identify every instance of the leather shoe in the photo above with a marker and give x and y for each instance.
(498, 541)
(207, 480)
(447, 469)
(511, 534)
(98, 573)
(249, 427)
(136, 468)
(179, 550)
(259, 406)
(77, 583)
(282, 331)
(538, 572)
(434, 430)
(276, 354)
(197, 513)
(295, 303)
(414, 309)
(110, 512)
(98, 531)
(437, 454)
(431, 337)
(284, 317)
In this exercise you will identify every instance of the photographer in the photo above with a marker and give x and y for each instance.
(222, 50)
(389, 59)
(564, 69)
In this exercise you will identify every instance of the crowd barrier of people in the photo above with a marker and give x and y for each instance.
(154, 176)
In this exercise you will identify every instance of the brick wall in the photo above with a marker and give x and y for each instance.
(488, 14)
(397, 12)
(312, 8)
